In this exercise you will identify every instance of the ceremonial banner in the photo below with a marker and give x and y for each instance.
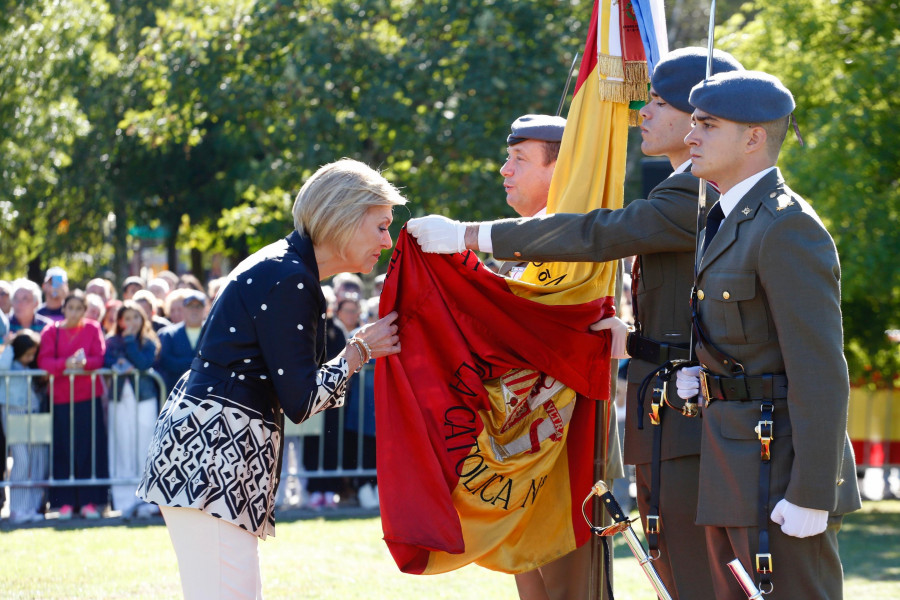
(499, 394)
(651, 18)
(471, 461)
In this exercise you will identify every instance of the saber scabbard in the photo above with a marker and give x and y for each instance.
(744, 580)
(621, 524)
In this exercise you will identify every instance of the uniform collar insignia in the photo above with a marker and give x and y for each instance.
(746, 211)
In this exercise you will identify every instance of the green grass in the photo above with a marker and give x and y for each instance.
(345, 558)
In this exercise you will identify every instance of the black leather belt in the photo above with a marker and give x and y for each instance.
(743, 388)
(644, 348)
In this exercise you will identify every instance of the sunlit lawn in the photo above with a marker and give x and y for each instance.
(344, 557)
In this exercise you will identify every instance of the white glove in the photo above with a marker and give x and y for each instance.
(797, 521)
(687, 380)
(619, 333)
(438, 234)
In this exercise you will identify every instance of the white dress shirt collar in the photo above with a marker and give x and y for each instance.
(730, 199)
(682, 167)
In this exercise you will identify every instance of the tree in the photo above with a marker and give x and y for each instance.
(424, 90)
(50, 49)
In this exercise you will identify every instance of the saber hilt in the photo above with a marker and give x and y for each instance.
(623, 525)
(744, 580)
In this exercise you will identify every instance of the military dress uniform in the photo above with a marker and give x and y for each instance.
(769, 297)
(661, 229)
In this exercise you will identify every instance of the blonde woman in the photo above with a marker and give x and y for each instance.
(213, 462)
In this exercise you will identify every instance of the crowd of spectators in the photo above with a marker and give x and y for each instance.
(107, 423)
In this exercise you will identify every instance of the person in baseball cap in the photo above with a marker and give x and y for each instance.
(55, 288)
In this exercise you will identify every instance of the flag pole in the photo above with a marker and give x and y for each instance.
(701, 195)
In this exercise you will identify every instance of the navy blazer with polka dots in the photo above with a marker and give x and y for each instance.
(266, 330)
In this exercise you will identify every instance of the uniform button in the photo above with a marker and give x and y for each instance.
(726, 295)
(773, 194)
(517, 254)
(840, 481)
(700, 294)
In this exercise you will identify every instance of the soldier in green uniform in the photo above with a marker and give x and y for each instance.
(661, 230)
(777, 471)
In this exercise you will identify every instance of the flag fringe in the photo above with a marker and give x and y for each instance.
(610, 66)
(634, 118)
(636, 71)
(622, 81)
(613, 91)
(622, 91)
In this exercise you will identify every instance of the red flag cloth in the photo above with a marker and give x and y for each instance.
(460, 325)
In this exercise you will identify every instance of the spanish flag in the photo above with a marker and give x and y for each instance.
(486, 421)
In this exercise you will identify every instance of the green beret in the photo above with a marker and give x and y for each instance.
(743, 97)
(536, 127)
(682, 69)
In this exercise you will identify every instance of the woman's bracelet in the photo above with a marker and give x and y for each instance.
(365, 346)
(365, 353)
(359, 351)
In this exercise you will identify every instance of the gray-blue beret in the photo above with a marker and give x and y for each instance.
(743, 97)
(536, 127)
(682, 69)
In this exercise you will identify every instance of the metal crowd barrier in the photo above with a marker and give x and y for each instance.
(355, 419)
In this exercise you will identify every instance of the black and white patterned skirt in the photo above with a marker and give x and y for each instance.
(215, 455)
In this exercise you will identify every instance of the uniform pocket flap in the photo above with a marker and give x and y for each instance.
(739, 420)
(730, 286)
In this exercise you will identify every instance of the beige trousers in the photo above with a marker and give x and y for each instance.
(216, 560)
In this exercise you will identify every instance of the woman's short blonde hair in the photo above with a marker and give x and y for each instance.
(332, 203)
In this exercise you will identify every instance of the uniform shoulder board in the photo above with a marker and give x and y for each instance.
(779, 201)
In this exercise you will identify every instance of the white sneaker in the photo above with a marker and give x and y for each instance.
(368, 496)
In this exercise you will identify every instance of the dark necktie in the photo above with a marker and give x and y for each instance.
(713, 220)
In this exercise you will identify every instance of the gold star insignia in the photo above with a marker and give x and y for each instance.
(784, 205)
(746, 211)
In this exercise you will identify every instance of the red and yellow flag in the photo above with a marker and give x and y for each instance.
(493, 402)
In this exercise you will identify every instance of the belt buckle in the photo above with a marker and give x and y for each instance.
(652, 524)
(655, 406)
(764, 563)
(705, 398)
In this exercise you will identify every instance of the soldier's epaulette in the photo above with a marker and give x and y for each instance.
(779, 201)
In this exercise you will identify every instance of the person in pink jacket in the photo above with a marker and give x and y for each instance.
(76, 344)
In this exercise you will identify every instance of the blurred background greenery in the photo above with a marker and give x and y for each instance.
(189, 125)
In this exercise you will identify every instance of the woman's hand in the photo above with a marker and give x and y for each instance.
(77, 360)
(381, 336)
